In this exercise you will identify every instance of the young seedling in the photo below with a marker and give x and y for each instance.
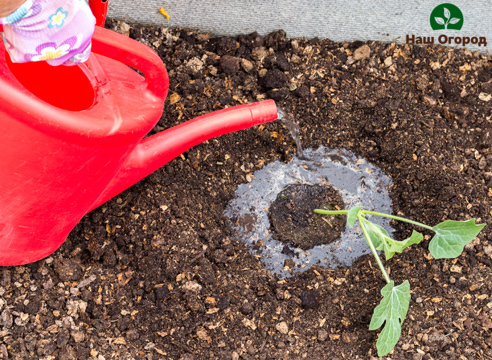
(448, 242)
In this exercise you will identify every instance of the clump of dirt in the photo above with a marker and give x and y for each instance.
(294, 222)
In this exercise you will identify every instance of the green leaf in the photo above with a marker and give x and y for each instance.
(389, 245)
(352, 215)
(392, 309)
(452, 236)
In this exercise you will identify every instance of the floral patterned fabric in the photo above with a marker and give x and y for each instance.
(56, 31)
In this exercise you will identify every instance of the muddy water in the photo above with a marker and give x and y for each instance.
(358, 182)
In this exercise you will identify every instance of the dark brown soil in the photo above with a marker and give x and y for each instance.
(294, 222)
(155, 274)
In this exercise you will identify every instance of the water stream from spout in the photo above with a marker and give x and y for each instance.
(293, 128)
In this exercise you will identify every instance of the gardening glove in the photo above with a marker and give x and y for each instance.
(58, 31)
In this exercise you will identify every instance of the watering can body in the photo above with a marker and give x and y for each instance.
(71, 138)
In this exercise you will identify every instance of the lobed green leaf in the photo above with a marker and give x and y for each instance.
(452, 236)
(382, 241)
(392, 309)
(352, 215)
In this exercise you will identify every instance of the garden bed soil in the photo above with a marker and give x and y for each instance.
(156, 274)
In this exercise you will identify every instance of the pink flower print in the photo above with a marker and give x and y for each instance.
(58, 18)
(50, 50)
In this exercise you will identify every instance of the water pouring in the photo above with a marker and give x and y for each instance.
(64, 155)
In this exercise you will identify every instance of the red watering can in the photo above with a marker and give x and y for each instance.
(72, 138)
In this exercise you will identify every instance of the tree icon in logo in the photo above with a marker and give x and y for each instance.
(446, 17)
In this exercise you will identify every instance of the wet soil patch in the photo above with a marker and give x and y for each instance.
(155, 273)
(294, 222)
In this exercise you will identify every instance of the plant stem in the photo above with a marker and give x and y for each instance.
(399, 218)
(330, 212)
(373, 249)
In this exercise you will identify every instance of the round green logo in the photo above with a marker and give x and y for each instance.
(446, 17)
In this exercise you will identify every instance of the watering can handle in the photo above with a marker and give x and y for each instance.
(134, 54)
(99, 10)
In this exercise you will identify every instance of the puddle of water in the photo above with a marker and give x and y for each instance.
(359, 183)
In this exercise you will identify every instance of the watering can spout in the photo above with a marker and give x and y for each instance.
(155, 151)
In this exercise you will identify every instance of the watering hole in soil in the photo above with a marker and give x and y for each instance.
(293, 221)
(280, 193)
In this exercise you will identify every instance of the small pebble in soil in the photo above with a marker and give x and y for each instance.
(6, 319)
(282, 327)
(246, 308)
(322, 335)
